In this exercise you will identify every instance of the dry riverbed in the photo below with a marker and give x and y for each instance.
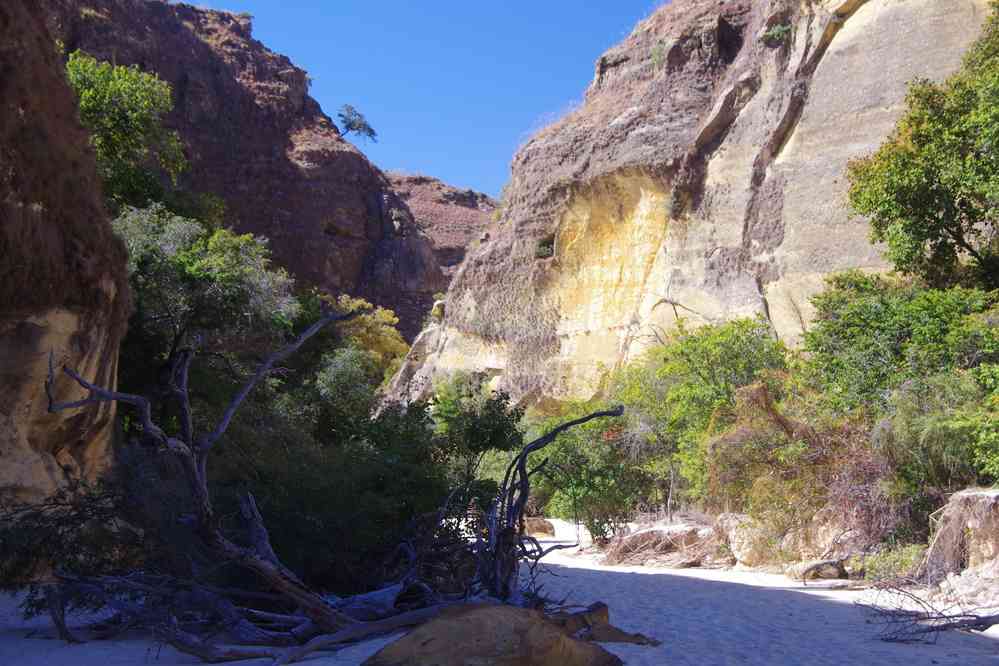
(703, 617)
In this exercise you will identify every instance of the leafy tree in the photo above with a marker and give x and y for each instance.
(871, 334)
(684, 387)
(589, 474)
(124, 108)
(932, 190)
(352, 120)
(472, 422)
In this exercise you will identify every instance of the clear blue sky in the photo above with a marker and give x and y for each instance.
(452, 87)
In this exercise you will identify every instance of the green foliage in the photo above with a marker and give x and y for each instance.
(589, 474)
(932, 190)
(471, 422)
(190, 281)
(545, 248)
(777, 34)
(685, 388)
(871, 334)
(352, 120)
(659, 55)
(893, 563)
(124, 108)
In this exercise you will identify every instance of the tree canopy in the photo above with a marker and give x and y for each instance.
(931, 190)
(352, 120)
(124, 107)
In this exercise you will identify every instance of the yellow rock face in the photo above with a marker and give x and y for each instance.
(706, 184)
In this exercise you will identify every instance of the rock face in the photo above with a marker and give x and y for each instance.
(967, 534)
(454, 219)
(255, 138)
(63, 286)
(745, 538)
(703, 178)
(495, 635)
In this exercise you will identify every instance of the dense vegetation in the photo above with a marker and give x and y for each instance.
(891, 403)
(337, 476)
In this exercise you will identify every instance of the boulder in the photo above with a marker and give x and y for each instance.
(747, 540)
(535, 526)
(816, 570)
(828, 535)
(967, 534)
(494, 636)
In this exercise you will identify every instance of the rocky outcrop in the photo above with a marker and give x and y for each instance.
(454, 219)
(967, 534)
(496, 635)
(257, 139)
(746, 539)
(703, 178)
(63, 287)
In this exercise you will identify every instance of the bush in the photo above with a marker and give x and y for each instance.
(124, 109)
(545, 248)
(872, 333)
(894, 563)
(685, 388)
(930, 189)
(589, 475)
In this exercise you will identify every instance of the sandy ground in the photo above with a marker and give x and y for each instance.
(703, 617)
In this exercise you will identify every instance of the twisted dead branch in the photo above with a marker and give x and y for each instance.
(277, 615)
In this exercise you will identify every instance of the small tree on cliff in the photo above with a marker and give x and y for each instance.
(932, 189)
(124, 107)
(352, 120)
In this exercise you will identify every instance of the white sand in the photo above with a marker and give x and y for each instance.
(703, 617)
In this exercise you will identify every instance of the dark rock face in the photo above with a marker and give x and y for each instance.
(63, 286)
(255, 137)
(454, 219)
(702, 178)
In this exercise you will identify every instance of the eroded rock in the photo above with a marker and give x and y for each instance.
(494, 635)
(703, 178)
(257, 139)
(747, 540)
(63, 286)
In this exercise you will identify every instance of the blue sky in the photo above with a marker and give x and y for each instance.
(452, 87)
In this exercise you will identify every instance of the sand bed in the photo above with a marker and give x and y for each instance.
(703, 617)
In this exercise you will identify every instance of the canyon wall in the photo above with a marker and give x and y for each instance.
(63, 287)
(454, 219)
(255, 137)
(702, 178)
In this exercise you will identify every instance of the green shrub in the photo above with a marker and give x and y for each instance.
(588, 474)
(777, 34)
(124, 108)
(872, 333)
(545, 248)
(897, 562)
(684, 389)
(930, 189)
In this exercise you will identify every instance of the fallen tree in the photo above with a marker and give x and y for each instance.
(269, 611)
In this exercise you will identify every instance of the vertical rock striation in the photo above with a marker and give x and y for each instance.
(63, 287)
(257, 139)
(702, 178)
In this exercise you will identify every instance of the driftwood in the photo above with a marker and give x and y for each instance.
(278, 616)
(907, 617)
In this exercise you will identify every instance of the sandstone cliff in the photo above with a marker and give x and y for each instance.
(703, 178)
(256, 138)
(63, 286)
(454, 219)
